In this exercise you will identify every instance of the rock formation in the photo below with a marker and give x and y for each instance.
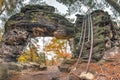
(32, 21)
(106, 35)
(35, 21)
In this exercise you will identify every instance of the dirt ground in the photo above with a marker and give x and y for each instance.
(109, 70)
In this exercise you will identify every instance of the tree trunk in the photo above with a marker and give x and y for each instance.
(114, 5)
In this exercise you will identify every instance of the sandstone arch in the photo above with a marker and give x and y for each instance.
(32, 21)
(36, 20)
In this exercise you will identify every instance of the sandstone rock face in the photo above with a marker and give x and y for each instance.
(112, 54)
(66, 65)
(7, 68)
(15, 66)
(3, 72)
(105, 34)
(32, 21)
(35, 20)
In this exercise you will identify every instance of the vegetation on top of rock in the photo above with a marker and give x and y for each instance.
(31, 8)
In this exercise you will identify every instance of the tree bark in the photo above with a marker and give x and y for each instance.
(114, 5)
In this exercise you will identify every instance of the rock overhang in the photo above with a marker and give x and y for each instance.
(42, 17)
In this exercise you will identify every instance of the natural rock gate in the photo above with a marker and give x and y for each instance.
(35, 20)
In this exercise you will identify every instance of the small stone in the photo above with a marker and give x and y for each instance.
(69, 61)
(3, 72)
(15, 66)
(86, 76)
(43, 67)
(102, 77)
(34, 65)
(64, 68)
(73, 77)
(55, 78)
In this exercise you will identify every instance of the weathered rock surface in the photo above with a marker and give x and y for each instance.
(66, 65)
(105, 34)
(3, 72)
(112, 54)
(32, 21)
(35, 20)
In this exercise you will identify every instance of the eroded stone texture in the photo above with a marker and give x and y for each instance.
(35, 21)
(105, 33)
(3, 72)
(32, 21)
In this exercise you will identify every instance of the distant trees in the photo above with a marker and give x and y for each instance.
(73, 5)
(8, 5)
(114, 4)
(56, 47)
(76, 5)
(29, 56)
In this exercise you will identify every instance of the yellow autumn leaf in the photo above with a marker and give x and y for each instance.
(29, 56)
(1, 4)
(0, 37)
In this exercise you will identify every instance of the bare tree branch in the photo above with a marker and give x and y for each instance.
(114, 5)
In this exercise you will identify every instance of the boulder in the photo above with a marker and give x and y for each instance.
(4, 74)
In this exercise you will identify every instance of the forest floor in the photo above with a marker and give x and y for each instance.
(109, 70)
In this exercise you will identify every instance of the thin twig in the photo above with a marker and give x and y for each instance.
(101, 69)
(83, 41)
(82, 31)
(89, 29)
(76, 75)
(91, 47)
(2, 11)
